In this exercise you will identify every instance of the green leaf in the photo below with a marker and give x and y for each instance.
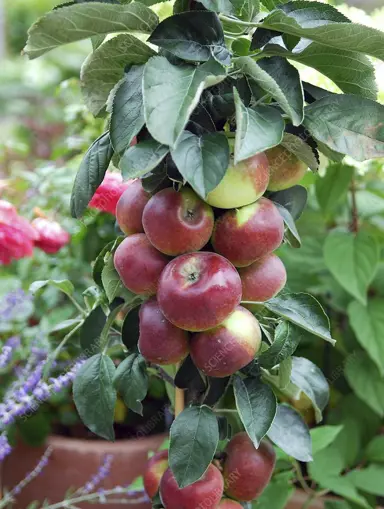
(337, 504)
(348, 124)
(295, 240)
(267, 73)
(194, 36)
(173, 92)
(64, 285)
(127, 117)
(194, 439)
(66, 324)
(256, 404)
(258, 129)
(310, 380)
(277, 494)
(76, 22)
(91, 174)
(142, 158)
(112, 284)
(331, 188)
(323, 436)
(91, 330)
(301, 150)
(294, 199)
(287, 339)
(375, 450)
(202, 160)
(94, 395)
(366, 381)
(131, 329)
(303, 310)
(285, 370)
(291, 434)
(272, 4)
(352, 260)
(324, 24)
(352, 72)
(369, 480)
(131, 381)
(105, 67)
(247, 9)
(344, 487)
(102, 258)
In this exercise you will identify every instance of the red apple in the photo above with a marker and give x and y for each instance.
(178, 222)
(230, 346)
(263, 279)
(243, 183)
(205, 493)
(129, 208)
(247, 470)
(160, 341)
(246, 234)
(227, 503)
(286, 169)
(197, 291)
(139, 264)
(156, 467)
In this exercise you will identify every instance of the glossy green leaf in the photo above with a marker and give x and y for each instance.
(256, 404)
(91, 330)
(112, 284)
(94, 395)
(369, 480)
(258, 129)
(287, 339)
(79, 21)
(272, 4)
(311, 381)
(375, 450)
(294, 199)
(194, 439)
(301, 150)
(352, 260)
(291, 434)
(142, 158)
(202, 160)
(289, 222)
(323, 436)
(277, 494)
(267, 73)
(194, 36)
(233, 7)
(344, 487)
(303, 310)
(127, 117)
(131, 381)
(104, 67)
(172, 93)
(348, 124)
(331, 188)
(91, 174)
(64, 285)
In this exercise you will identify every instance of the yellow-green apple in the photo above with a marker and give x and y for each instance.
(227, 503)
(178, 222)
(247, 470)
(159, 340)
(139, 264)
(223, 350)
(205, 493)
(243, 183)
(156, 467)
(286, 170)
(129, 208)
(197, 291)
(263, 279)
(246, 234)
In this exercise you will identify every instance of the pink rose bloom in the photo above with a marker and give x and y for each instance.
(108, 193)
(52, 237)
(17, 237)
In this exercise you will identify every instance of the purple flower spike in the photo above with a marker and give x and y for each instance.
(5, 448)
(5, 356)
(101, 474)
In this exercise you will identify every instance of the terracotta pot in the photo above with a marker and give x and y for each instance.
(73, 462)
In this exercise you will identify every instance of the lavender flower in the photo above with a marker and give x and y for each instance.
(15, 304)
(101, 474)
(43, 462)
(5, 448)
(7, 350)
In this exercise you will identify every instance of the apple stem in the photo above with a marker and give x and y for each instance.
(179, 398)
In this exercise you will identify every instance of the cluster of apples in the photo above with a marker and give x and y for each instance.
(193, 291)
(242, 475)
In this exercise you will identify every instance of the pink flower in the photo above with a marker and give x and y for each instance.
(52, 237)
(108, 193)
(17, 236)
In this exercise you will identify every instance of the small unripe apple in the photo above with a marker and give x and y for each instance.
(230, 346)
(139, 264)
(197, 291)
(243, 183)
(205, 493)
(286, 170)
(129, 208)
(227, 503)
(159, 340)
(156, 467)
(178, 222)
(263, 279)
(246, 234)
(247, 470)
